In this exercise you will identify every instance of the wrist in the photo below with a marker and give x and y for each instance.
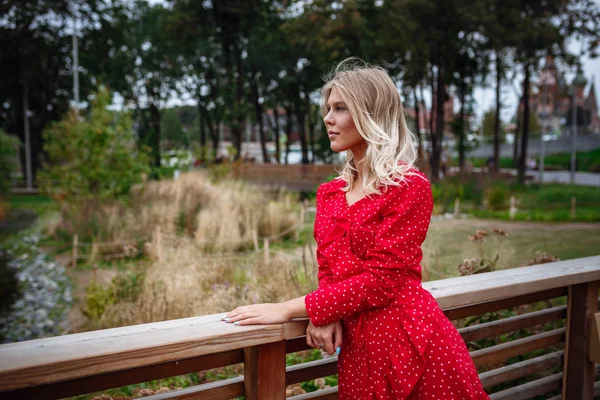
(295, 308)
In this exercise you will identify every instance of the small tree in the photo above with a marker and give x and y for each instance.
(95, 158)
(9, 161)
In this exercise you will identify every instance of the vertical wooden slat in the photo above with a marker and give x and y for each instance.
(578, 377)
(264, 371)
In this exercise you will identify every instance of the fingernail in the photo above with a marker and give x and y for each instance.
(236, 323)
(338, 350)
(227, 319)
(224, 316)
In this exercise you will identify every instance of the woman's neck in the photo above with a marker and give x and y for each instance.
(358, 156)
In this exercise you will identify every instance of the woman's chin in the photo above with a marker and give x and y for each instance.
(336, 147)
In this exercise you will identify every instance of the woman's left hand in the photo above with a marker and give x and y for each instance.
(259, 314)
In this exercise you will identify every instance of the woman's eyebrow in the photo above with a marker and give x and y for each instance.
(336, 103)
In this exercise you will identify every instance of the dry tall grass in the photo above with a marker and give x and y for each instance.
(220, 217)
(187, 282)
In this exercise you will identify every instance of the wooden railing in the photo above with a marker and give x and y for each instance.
(291, 177)
(550, 358)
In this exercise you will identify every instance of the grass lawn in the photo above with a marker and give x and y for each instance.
(446, 245)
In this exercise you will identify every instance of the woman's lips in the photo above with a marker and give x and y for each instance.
(332, 134)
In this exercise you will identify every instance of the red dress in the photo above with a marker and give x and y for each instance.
(397, 343)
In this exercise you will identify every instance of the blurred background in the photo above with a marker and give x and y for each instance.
(159, 159)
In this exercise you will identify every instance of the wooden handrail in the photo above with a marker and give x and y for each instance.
(457, 292)
(77, 356)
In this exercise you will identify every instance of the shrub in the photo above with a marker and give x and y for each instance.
(497, 197)
(97, 299)
(79, 151)
(9, 161)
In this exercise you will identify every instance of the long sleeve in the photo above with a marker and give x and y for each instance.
(394, 257)
(324, 273)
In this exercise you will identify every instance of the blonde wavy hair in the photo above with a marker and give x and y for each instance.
(376, 108)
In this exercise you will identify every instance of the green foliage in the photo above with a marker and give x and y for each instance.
(97, 298)
(171, 130)
(123, 287)
(497, 197)
(586, 161)
(218, 172)
(93, 158)
(127, 286)
(9, 161)
(488, 125)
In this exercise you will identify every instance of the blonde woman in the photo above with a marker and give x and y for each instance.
(393, 340)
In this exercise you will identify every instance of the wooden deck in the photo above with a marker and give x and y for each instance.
(81, 363)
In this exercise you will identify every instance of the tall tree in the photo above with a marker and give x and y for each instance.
(135, 57)
(36, 64)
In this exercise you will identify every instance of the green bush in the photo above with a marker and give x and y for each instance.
(123, 287)
(586, 161)
(497, 197)
(9, 161)
(97, 298)
(93, 158)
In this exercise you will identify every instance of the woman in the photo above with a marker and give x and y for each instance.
(393, 340)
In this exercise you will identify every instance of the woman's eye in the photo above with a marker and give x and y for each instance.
(340, 108)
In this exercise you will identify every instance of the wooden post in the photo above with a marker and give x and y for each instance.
(266, 250)
(578, 372)
(573, 203)
(94, 253)
(158, 243)
(264, 371)
(74, 256)
(300, 222)
(456, 207)
(255, 240)
(512, 211)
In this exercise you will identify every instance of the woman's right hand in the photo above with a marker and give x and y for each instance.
(327, 337)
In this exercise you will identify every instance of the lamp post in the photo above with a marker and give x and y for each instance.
(75, 60)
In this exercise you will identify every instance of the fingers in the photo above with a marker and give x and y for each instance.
(310, 341)
(328, 345)
(309, 336)
(338, 335)
(249, 321)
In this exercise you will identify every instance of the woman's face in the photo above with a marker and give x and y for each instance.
(340, 126)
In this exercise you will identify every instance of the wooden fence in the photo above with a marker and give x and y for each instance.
(81, 363)
(291, 177)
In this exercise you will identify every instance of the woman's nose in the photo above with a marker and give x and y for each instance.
(328, 119)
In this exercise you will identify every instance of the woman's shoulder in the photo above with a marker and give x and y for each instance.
(332, 186)
(411, 179)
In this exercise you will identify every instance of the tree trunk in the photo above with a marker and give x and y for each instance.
(301, 115)
(202, 126)
(461, 132)
(212, 129)
(311, 132)
(497, 119)
(517, 133)
(524, 140)
(417, 125)
(276, 135)
(289, 127)
(239, 117)
(438, 137)
(155, 132)
(259, 114)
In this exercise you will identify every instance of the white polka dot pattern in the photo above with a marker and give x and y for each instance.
(397, 343)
